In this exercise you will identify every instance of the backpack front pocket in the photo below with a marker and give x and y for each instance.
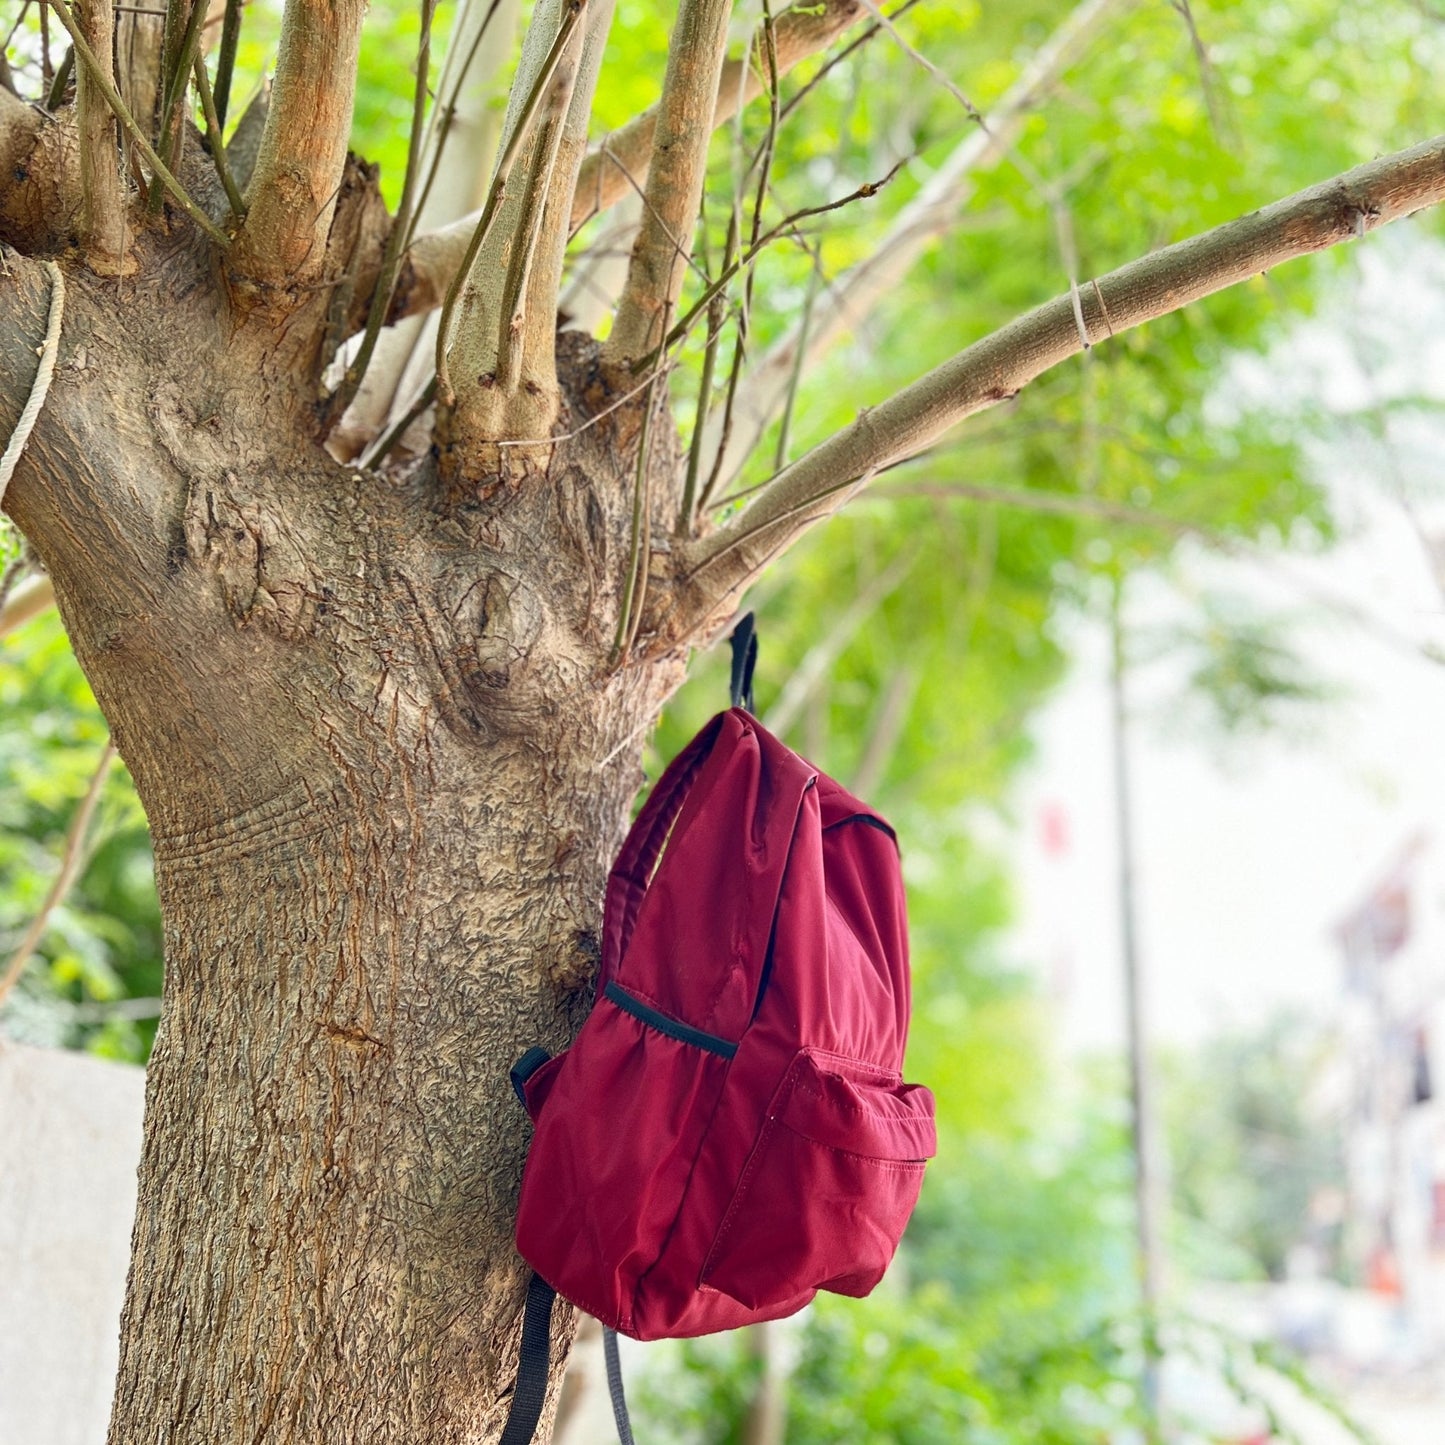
(829, 1185)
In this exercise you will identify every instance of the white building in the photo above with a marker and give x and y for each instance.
(1391, 1086)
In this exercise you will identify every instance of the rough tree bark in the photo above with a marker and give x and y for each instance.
(381, 723)
(386, 766)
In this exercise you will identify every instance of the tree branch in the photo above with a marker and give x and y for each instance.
(714, 570)
(674, 182)
(622, 162)
(535, 326)
(849, 299)
(32, 597)
(226, 59)
(303, 148)
(214, 142)
(177, 81)
(103, 208)
(139, 62)
(401, 222)
(39, 177)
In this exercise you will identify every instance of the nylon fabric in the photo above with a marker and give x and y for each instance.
(670, 1190)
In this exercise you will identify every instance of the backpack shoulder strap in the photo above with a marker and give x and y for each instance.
(532, 1364)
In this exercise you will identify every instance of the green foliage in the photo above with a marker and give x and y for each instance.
(103, 944)
(1247, 1148)
(1241, 674)
(904, 1371)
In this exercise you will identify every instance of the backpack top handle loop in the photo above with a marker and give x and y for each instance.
(745, 659)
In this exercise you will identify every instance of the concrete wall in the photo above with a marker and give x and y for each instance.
(70, 1140)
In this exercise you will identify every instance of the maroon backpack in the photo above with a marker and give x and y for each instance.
(730, 1133)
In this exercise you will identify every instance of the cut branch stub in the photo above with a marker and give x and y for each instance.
(303, 148)
(674, 183)
(712, 573)
(505, 353)
(103, 214)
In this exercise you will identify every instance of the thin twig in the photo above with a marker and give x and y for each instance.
(926, 65)
(618, 160)
(687, 517)
(137, 136)
(19, 21)
(439, 127)
(764, 163)
(66, 69)
(932, 211)
(634, 545)
(649, 208)
(226, 59)
(788, 225)
(640, 549)
(1206, 70)
(802, 30)
(15, 570)
(785, 423)
(213, 138)
(70, 863)
(714, 476)
(172, 118)
(595, 419)
(824, 70)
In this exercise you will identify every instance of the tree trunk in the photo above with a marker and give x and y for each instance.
(386, 763)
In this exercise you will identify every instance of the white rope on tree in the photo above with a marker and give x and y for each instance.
(40, 387)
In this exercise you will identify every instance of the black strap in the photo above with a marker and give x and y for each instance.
(745, 658)
(523, 1070)
(614, 1386)
(532, 1365)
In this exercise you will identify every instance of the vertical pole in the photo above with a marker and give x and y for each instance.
(767, 1411)
(1148, 1249)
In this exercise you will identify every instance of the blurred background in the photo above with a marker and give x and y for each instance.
(1147, 667)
